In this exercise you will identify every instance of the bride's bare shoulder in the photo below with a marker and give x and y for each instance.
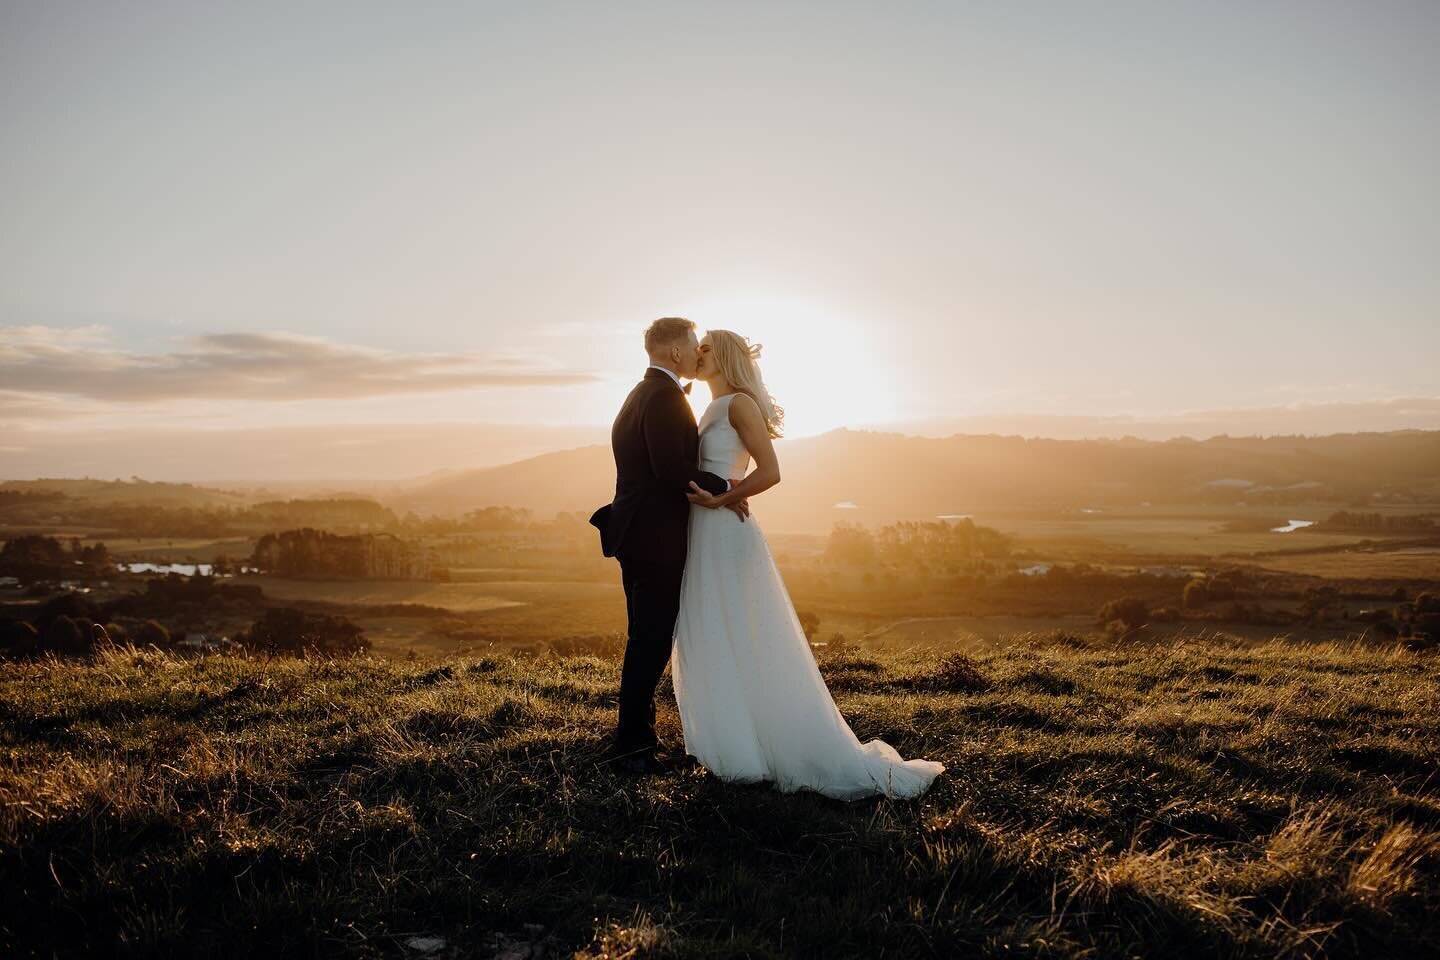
(744, 409)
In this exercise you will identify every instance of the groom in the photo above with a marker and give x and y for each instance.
(656, 449)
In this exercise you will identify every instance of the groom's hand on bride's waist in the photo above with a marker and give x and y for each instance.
(741, 507)
(704, 498)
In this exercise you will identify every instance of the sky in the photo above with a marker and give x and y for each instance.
(257, 215)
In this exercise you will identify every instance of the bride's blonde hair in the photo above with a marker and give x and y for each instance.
(735, 358)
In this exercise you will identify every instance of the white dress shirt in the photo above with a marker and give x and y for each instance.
(669, 373)
(672, 375)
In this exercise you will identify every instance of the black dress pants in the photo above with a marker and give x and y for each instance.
(652, 601)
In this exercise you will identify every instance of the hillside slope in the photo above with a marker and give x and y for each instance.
(1182, 801)
(891, 476)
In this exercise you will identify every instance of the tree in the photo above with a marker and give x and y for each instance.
(809, 622)
(1131, 611)
(152, 634)
(66, 637)
(850, 545)
(1219, 589)
(1195, 595)
(19, 639)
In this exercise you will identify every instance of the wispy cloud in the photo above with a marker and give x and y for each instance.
(82, 362)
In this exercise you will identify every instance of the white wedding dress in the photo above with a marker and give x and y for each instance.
(753, 705)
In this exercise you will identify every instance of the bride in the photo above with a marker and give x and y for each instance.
(753, 705)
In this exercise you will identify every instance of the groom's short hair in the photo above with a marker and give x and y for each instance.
(666, 332)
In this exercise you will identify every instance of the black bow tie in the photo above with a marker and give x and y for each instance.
(686, 388)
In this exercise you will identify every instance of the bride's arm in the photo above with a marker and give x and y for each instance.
(747, 420)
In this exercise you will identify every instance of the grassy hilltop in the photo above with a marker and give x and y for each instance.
(1179, 800)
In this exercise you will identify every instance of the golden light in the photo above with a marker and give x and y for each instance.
(825, 368)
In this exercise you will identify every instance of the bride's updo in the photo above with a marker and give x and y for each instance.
(735, 358)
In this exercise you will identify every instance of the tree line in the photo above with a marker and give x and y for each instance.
(939, 546)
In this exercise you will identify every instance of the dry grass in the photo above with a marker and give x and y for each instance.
(1181, 801)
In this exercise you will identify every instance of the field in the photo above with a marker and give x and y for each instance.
(1418, 562)
(1167, 529)
(1183, 800)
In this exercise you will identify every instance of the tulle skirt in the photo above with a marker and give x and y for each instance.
(753, 705)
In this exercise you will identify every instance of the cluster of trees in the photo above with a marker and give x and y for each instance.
(72, 625)
(34, 556)
(12, 499)
(484, 520)
(308, 552)
(565, 546)
(1416, 622)
(341, 514)
(68, 636)
(1380, 523)
(1219, 588)
(939, 547)
(1421, 620)
(155, 520)
(286, 632)
(189, 600)
(182, 513)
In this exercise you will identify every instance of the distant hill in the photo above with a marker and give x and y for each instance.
(296, 460)
(132, 492)
(888, 476)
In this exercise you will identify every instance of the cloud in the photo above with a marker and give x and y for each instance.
(25, 406)
(81, 362)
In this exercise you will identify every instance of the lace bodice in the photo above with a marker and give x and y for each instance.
(722, 452)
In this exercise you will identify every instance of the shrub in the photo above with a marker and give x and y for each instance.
(1425, 631)
(19, 639)
(71, 605)
(1131, 611)
(152, 634)
(288, 632)
(66, 637)
(1218, 589)
(958, 671)
(1114, 629)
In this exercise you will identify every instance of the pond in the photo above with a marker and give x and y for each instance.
(185, 569)
(1292, 525)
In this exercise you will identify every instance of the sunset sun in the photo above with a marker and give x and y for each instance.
(826, 368)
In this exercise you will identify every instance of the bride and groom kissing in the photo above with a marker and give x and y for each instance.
(700, 582)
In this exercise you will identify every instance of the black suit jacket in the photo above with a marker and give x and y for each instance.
(656, 449)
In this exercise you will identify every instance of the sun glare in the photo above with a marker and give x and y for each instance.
(823, 367)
